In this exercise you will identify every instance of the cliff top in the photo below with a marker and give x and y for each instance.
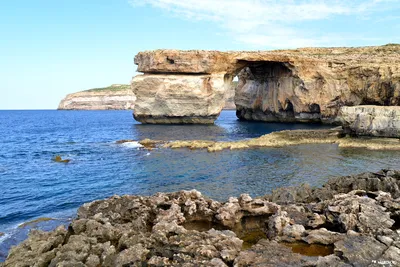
(113, 87)
(304, 51)
(202, 61)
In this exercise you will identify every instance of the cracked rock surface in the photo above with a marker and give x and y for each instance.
(350, 221)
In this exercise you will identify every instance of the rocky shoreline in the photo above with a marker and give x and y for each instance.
(350, 221)
(283, 138)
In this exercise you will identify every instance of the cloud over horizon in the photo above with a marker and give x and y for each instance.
(270, 23)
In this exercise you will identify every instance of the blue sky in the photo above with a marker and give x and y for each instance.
(50, 48)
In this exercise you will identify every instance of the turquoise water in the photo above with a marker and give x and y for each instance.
(33, 186)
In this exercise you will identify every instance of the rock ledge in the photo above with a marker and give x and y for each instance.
(350, 221)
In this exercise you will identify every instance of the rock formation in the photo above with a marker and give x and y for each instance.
(350, 221)
(230, 97)
(116, 96)
(282, 139)
(371, 120)
(176, 98)
(307, 85)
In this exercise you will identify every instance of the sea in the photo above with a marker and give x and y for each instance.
(37, 192)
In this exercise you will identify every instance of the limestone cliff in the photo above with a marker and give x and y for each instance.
(116, 96)
(308, 84)
(371, 120)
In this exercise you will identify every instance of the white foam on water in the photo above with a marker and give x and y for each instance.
(62, 216)
(132, 144)
(9, 232)
(4, 237)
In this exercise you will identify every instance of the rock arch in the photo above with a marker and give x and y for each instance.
(302, 85)
(268, 91)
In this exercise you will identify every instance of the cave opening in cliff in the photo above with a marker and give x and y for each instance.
(267, 91)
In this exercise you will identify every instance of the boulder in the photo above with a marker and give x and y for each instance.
(380, 121)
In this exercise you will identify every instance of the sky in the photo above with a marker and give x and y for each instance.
(50, 48)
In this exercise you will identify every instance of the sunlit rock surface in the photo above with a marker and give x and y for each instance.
(371, 120)
(178, 98)
(283, 139)
(350, 221)
(306, 85)
(116, 96)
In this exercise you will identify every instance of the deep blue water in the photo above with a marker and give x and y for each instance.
(33, 186)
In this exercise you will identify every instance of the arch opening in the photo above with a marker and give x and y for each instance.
(268, 91)
(231, 82)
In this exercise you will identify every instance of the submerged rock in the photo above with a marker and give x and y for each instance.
(124, 141)
(290, 138)
(35, 221)
(348, 222)
(59, 159)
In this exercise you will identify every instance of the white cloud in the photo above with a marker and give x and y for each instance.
(268, 23)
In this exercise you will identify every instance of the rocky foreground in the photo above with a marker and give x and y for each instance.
(350, 221)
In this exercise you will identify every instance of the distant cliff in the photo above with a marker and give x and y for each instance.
(116, 96)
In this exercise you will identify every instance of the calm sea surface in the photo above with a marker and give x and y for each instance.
(34, 186)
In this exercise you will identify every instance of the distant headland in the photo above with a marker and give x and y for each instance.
(115, 97)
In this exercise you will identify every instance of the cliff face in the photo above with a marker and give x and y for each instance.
(371, 120)
(116, 96)
(309, 84)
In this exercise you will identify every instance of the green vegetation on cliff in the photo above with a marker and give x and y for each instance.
(113, 87)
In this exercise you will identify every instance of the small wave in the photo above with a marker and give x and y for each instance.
(132, 144)
(36, 221)
(3, 236)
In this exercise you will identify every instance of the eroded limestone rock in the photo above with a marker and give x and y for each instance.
(116, 96)
(361, 250)
(309, 84)
(178, 98)
(288, 138)
(371, 120)
(354, 225)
